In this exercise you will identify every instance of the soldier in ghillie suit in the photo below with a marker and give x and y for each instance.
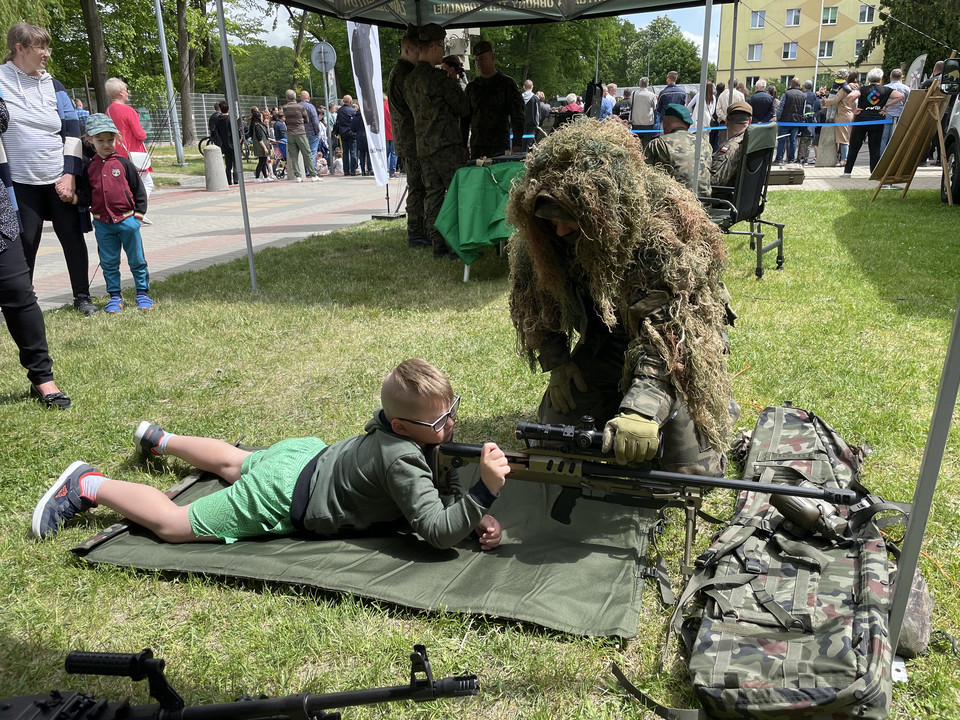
(620, 255)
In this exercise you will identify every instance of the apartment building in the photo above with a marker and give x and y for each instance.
(780, 39)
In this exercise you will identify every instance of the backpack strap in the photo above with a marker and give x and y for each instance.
(668, 713)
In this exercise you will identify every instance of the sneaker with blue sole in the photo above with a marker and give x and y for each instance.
(147, 438)
(114, 305)
(62, 501)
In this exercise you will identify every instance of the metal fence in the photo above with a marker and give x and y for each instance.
(154, 117)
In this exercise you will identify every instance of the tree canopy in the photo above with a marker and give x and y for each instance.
(910, 28)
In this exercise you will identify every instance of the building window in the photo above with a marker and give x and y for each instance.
(830, 16)
(758, 19)
(866, 13)
(754, 52)
(793, 17)
(751, 80)
(859, 46)
(789, 51)
(826, 49)
(785, 80)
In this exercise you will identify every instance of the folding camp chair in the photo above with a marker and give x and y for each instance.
(745, 201)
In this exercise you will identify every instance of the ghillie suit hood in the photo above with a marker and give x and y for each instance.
(643, 239)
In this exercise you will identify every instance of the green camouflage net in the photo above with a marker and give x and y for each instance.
(642, 234)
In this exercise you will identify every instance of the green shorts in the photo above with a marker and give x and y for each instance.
(259, 502)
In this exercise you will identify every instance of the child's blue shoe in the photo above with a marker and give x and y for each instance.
(114, 305)
(144, 302)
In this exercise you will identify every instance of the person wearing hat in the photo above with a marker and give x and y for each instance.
(674, 151)
(405, 137)
(726, 161)
(496, 107)
(111, 187)
(618, 296)
(839, 110)
(437, 104)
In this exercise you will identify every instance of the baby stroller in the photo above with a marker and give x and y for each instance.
(279, 160)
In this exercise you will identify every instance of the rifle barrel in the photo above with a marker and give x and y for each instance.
(663, 478)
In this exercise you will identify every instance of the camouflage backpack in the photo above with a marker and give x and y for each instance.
(793, 595)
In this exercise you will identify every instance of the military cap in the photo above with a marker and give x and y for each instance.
(842, 74)
(482, 47)
(740, 106)
(549, 209)
(679, 111)
(100, 123)
(432, 33)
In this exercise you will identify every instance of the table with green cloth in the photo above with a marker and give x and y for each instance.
(473, 212)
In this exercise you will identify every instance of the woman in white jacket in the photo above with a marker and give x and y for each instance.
(708, 107)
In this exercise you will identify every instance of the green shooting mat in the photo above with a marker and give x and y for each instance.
(583, 578)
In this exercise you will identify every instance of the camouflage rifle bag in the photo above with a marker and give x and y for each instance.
(793, 596)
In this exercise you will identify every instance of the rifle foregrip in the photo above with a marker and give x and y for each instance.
(98, 663)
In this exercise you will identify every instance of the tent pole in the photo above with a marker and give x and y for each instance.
(733, 48)
(707, 17)
(230, 82)
(926, 485)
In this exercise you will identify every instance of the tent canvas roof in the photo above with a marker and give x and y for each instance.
(479, 13)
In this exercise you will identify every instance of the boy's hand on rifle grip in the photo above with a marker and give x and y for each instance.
(559, 394)
(494, 467)
(632, 437)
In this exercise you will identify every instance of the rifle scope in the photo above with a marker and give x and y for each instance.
(583, 436)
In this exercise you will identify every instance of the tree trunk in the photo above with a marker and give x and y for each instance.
(299, 45)
(98, 56)
(186, 67)
(526, 56)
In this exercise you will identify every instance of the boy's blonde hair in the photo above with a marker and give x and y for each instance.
(411, 386)
(27, 35)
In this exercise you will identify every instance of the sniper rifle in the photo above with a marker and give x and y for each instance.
(579, 467)
(59, 705)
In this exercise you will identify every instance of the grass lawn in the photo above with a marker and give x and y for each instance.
(855, 329)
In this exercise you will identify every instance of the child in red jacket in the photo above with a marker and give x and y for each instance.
(114, 192)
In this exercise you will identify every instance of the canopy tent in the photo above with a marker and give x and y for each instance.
(481, 13)
(478, 13)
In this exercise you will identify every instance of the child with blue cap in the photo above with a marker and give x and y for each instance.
(111, 187)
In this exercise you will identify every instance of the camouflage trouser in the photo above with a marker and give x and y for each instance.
(438, 169)
(415, 198)
(683, 449)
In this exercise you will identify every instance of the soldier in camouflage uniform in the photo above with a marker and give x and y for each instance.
(674, 151)
(437, 103)
(404, 136)
(726, 161)
(496, 107)
(618, 257)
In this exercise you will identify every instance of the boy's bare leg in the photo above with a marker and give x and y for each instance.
(210, 454)
(147, 506)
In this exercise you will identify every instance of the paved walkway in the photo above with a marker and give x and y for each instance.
(193, 228)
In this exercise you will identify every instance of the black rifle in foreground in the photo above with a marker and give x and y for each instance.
(578, 466)
(170, 706)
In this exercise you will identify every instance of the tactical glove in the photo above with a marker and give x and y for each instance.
(559, 395)
(632, 437)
